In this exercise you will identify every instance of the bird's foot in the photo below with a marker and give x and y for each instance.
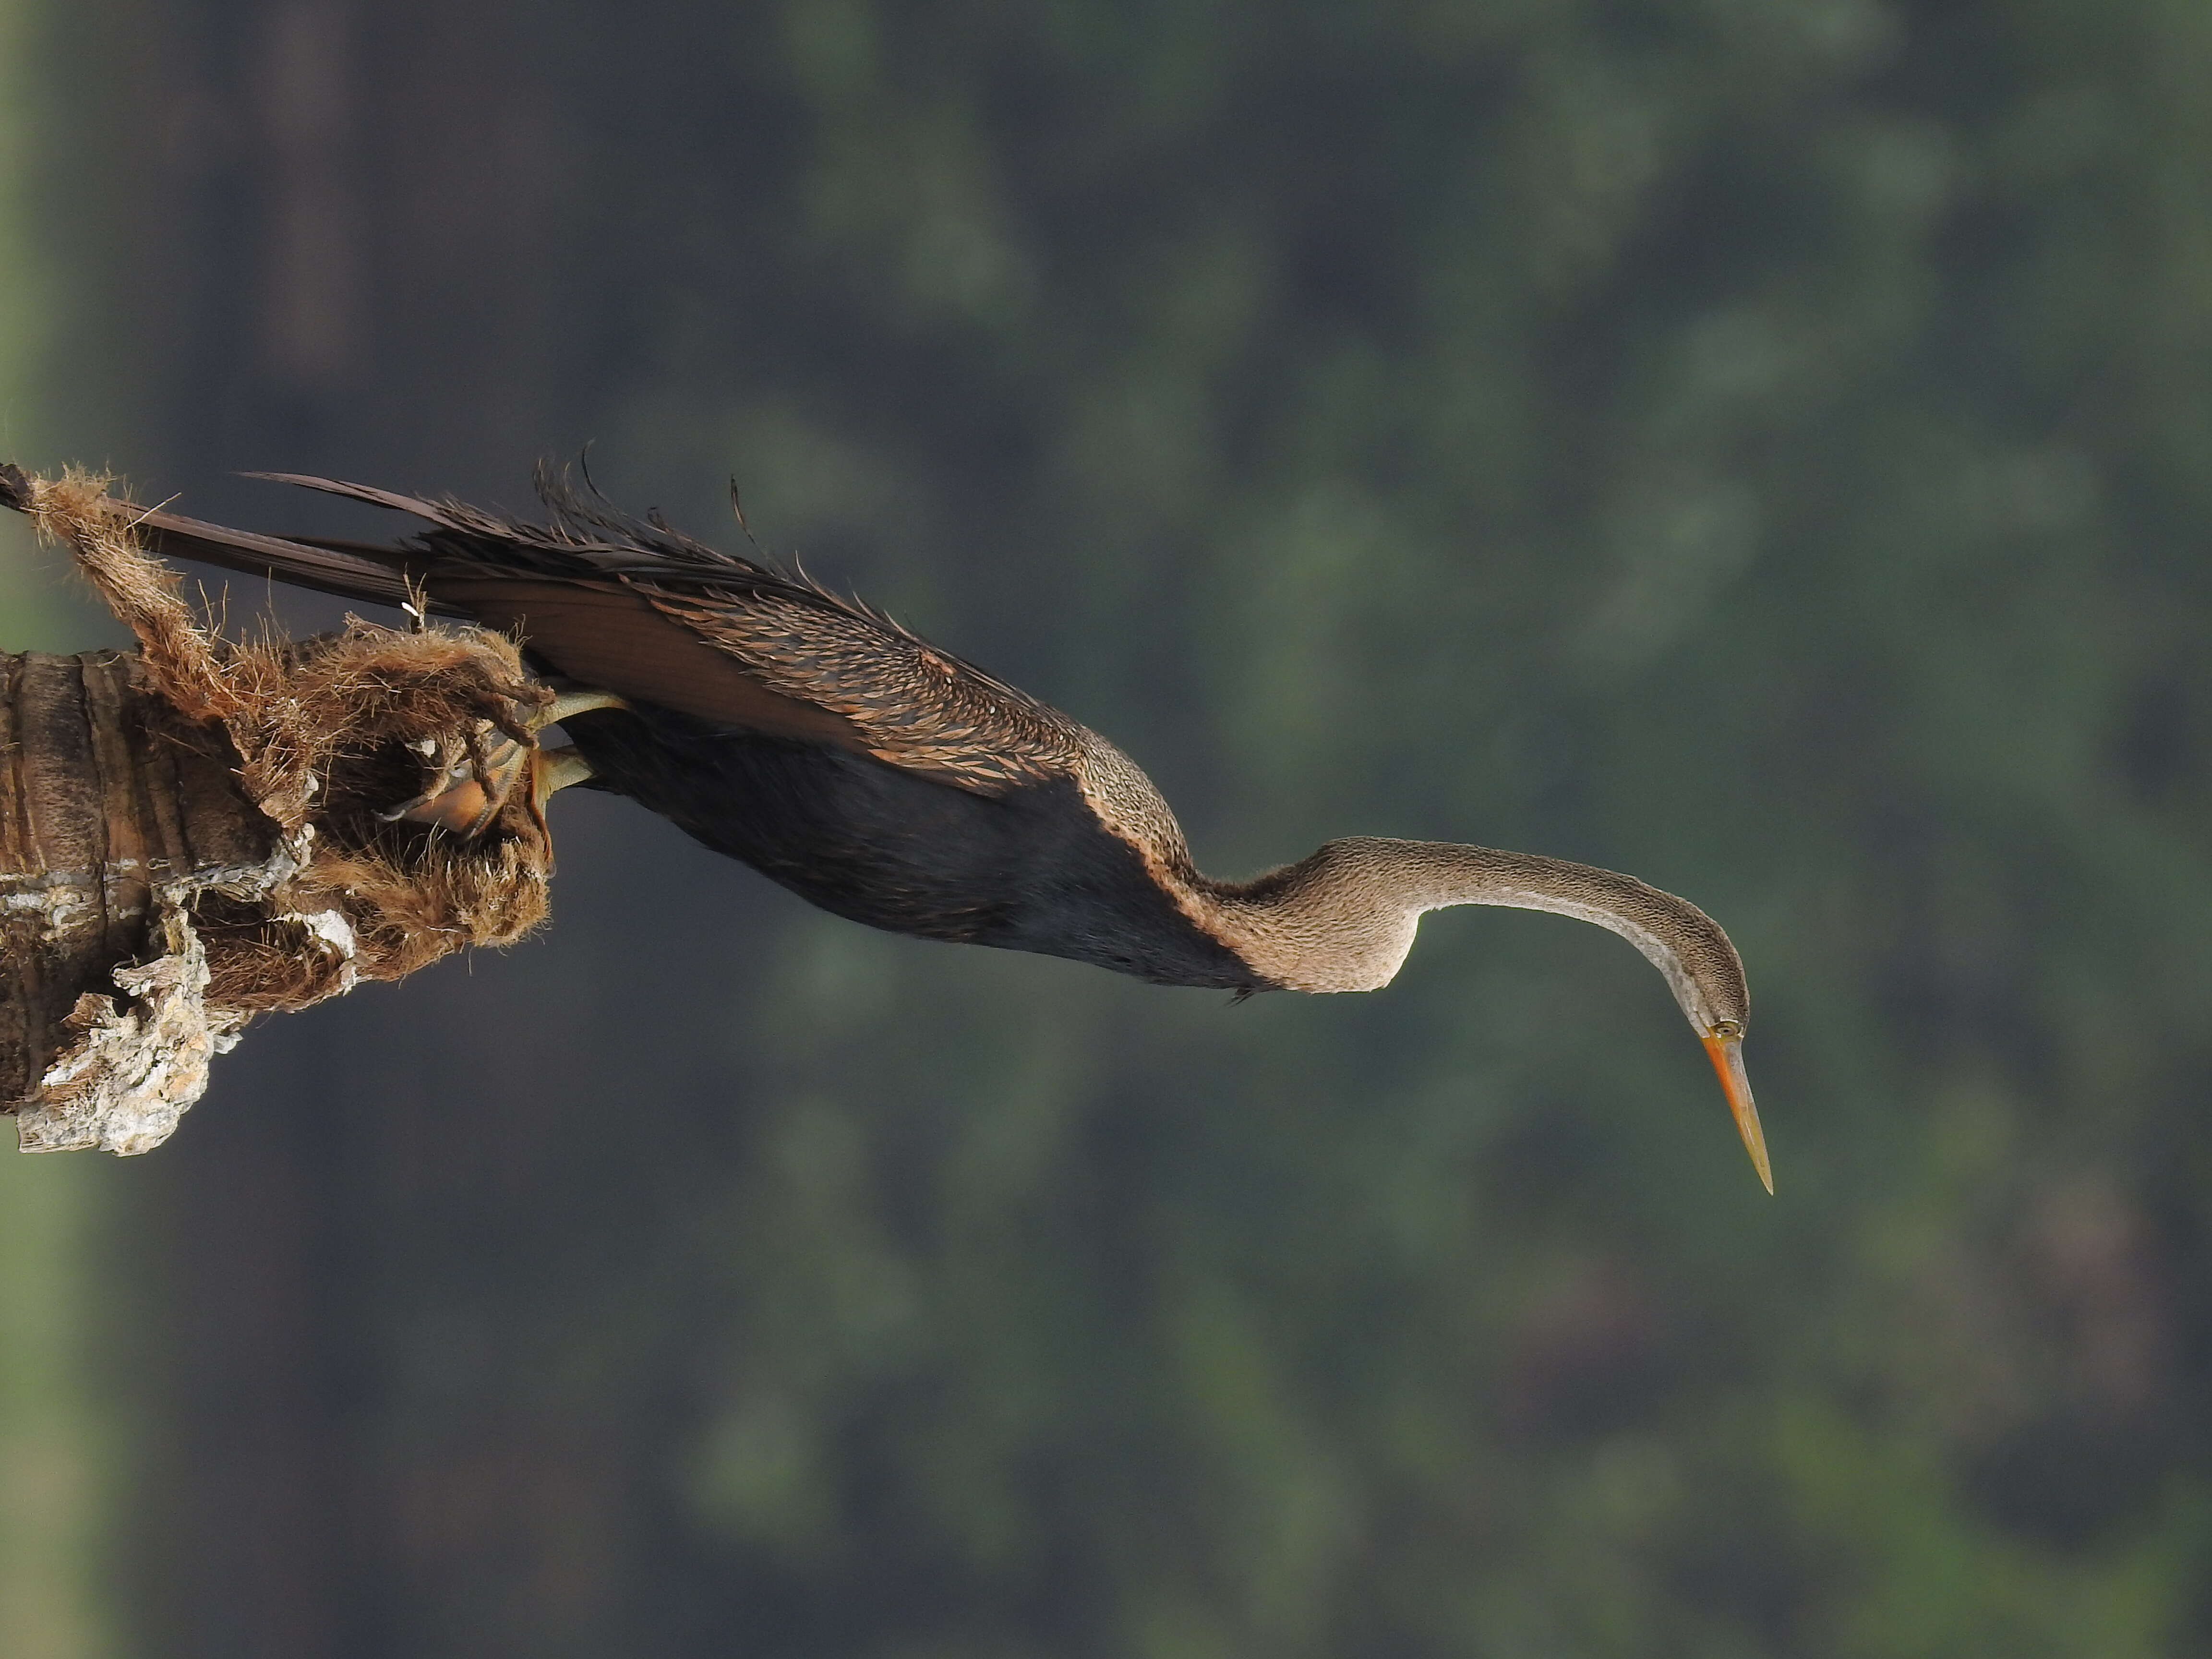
(472, 779)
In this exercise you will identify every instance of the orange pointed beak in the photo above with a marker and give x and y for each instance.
(1727, 1055)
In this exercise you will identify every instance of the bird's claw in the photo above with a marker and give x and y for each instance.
(474, 778)
(467, 789)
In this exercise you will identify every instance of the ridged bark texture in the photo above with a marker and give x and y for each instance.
(105, 792)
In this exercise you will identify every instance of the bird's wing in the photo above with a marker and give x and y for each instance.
(910, 704)
(639, 608)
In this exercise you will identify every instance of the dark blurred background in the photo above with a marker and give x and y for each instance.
(1762, 445)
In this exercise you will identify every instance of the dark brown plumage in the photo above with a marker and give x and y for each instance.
(894, 783)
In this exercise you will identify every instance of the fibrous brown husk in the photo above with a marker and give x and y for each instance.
(326, 734)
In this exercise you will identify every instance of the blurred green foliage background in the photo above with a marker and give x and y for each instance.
(1762, 445)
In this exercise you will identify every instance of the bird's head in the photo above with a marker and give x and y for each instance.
(1706, 976)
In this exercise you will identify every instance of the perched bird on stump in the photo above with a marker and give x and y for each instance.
(891, 782)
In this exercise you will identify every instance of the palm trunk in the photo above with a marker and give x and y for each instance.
(106, 791)
(195, 833)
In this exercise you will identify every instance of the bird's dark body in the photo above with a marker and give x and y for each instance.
(1032, 869)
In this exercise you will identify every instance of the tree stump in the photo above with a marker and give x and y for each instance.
(105, 792)
(199, 831)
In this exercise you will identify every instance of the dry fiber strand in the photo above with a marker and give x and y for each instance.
(190, 834)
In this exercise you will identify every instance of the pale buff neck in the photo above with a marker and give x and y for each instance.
(1344, 919)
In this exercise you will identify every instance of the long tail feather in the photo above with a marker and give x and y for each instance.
(373, 575)
(347, 574)
(428, 511)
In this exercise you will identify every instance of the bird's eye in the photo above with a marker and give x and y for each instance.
(1732, 1030)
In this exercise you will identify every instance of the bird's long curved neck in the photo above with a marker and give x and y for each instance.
(1344, 919)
